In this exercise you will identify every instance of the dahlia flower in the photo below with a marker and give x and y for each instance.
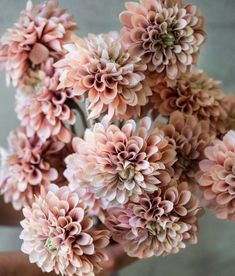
(158, 224)
(166, 35)
(217, 176)
(95, 206)
(38, 35)
(111, 79)
(189, 137)
(121, 163)
(194, 94)
(26, 167)
(57, 235)
(229, 104)
(47, 111)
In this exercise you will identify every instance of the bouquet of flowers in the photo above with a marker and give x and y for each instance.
(120, 140)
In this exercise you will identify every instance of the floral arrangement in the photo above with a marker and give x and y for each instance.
(120, 140)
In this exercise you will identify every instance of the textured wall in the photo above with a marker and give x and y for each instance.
(215, 254)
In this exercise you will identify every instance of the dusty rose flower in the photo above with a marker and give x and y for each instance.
(118, 163)
(229, 105)
(26, 167)
(38, 35)
(158, 224)
(189, 137)
(57, 235)
(167, 35)
(194, 94)
(48, 111)
(217, 176)
(111, 79)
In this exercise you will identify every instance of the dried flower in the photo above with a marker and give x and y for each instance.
(57, 235)
(118, 163)
(158, 224)
(38, 35)
(167, 35)
(26, 167)
(217, 176)
(111, 79)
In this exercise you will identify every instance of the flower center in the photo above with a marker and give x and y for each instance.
(127, 174)
(153, 232)
(168, 39)
(185, 162)
(51, 246)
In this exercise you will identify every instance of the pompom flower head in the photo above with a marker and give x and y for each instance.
(59, 236)
(112, 80)
(48, 111)
(158, 224)
(38, 35)
(189, 137)
(167, 35)
(26, 167)
(217, 176)
(119, 163)
(194, 94)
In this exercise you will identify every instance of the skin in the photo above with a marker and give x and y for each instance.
(17, 263)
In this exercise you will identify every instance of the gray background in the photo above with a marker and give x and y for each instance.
(215, 253)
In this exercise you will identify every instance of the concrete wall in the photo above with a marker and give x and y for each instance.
(215, 253)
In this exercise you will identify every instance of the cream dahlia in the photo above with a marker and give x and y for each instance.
(189, 137)
(121, 163)
(58, 236)
(158, 224)
(38, 35)
(111, 79)
(26, 167)
(217, 176)
(166, 35)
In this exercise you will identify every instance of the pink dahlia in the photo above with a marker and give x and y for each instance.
(26, 167)
(217, 176)
(166, 35)
(121, 163)
(158, 224)
(229, 104)
(48, 111)
(189, 137)
(193, 94)
(59, 236)
(95, 205)
(111, 79)
(39, 34)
